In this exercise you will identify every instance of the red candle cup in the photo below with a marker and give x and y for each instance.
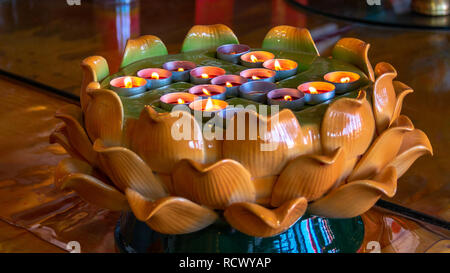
(287, 98)
(128, 85)
(204, 74)
(209, 90)
(256, 59)
(317, 92)
(344, 81)
(231, 84)
(156, 77)
(180, 70)
(170, 100)
(259, 74)
(207, 107)
(283, 68)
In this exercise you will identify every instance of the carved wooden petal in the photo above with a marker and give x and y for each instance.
(256, 220)
(128, 170)
(61, 136)
(308, 176)
(356, 197)
(213, 185)
(383, 150)
(72, 117)
(170, 215)
(104, 116)
(383, 96)
(68, 166)
(414, 145)
(95, 69)
(401, 91)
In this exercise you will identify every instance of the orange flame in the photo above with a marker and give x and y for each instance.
(277, 65)
(206, 92)
(312, 90)
(345, 79)
(128, 82)
(255, 78)
(180, 69)
(228, 84)
(209, 104)
(180, 101)
(205, 76)
(155, 76)
(253, 59)
(287, 98)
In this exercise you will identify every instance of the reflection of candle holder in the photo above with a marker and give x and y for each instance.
(209, 90)
(232, 52)
(287, 98)
(344, 81)
(156, 77)
(168, 101)
(259, 74)
(259, 57)
(231, 84)
(317, 92)
(138, 86)
(180, 70)
(204, 74)
(256, 90)
(283, 68)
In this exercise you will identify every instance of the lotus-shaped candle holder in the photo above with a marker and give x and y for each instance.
(337, 167)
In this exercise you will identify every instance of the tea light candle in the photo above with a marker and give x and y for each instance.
(287, 98)
(180, 70)
(209, 90)
(231, 84)
(256, 90)
(232, 52)
(259, 74)
(156, 77)
(256, 59)
(204, 74)
(208, 105)
(317, 92)
(168, 101)
(283, 68)
(128, 85)
(344, 81)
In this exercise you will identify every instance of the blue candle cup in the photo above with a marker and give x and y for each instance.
(204, 74)
(344, 81)
(256, 90)
(317, 92)
(232, 52)
(205, 91)
(180, 70)
(255, 59)
(231, 84)
(258, 74)
(283, 68)
(287, 98)
(156, 77)
(138, 85)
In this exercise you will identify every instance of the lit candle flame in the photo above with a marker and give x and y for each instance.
(287, 98)
(155, 76)
(205, 76)
(277, 65)
(180, 101)
(312, 90)
(255, 78)
(128, 82)
(345, 79)
(206, 92)
(180, 69)
(228, 84)
(253, 59)
(232, 53)
(209, 104)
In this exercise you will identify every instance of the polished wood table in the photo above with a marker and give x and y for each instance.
(40, 58)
